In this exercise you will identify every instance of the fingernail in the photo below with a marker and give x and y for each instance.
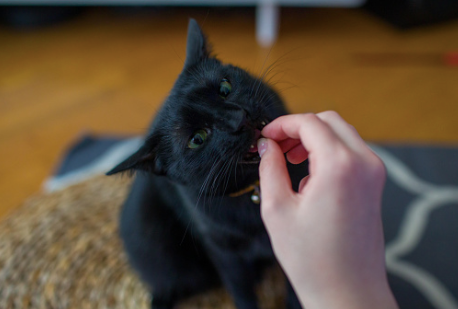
(262, 146)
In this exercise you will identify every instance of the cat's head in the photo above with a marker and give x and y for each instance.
(205, 134)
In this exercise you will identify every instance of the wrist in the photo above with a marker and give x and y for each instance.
(345, 297)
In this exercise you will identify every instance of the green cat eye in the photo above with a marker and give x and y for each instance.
(225, 88)
(198, 138)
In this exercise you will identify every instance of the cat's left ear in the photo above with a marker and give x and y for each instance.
(144, 159)
(197, 47)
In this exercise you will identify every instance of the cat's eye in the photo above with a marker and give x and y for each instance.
(198, 139)
(225, 88)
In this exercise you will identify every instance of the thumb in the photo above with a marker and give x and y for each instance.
(275, 182)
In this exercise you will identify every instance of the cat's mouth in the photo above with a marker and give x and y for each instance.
(252, 156)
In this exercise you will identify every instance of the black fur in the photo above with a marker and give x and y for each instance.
(182, 231)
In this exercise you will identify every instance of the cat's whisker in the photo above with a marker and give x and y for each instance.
(201, 191)
(235, 170)
(270, 68)
(203, 188)
(283, 58)
(231, 160)
(204, 184)
(225, 178)
(214, 181)
(277, 63)
(265, 60)
(270, 82)
(266, 97)
(215, 184)
(228, 173)
(211, 192)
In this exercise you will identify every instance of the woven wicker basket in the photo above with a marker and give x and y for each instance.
(62, 250)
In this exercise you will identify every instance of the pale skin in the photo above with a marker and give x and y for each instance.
(328, 237)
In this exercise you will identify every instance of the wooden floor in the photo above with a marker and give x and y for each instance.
(107, 71)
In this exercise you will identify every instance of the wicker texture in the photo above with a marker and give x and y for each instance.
(62, 250)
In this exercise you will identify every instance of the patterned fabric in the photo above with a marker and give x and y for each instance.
(420, 217)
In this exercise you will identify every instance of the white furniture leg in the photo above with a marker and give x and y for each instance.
(267, 18)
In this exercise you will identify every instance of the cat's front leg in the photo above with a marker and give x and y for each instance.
(238, 277)
(161, 303)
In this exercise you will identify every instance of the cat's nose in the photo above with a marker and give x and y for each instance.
(234, 119)
(242, 121)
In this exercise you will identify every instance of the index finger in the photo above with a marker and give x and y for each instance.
(314, 134)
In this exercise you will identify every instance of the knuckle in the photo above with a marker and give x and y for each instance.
(352, 128)
(348, 162)
(345, 158)
(308, 117)
(378, 168)
(365, 167)
(330, 115)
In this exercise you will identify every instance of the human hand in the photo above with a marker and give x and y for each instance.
(328, 237)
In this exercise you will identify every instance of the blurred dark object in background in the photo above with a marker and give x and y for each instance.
(411, 13)
(27, 17)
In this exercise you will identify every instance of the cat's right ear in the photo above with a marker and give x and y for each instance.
(197, 48)
(144, 159)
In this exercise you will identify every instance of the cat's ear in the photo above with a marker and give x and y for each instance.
(197, 47)
(144, 159)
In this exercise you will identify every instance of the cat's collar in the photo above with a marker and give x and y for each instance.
(255, 192)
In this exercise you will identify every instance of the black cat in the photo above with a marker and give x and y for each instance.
(192, 219)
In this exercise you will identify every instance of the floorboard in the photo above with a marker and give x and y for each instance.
(108, 70)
